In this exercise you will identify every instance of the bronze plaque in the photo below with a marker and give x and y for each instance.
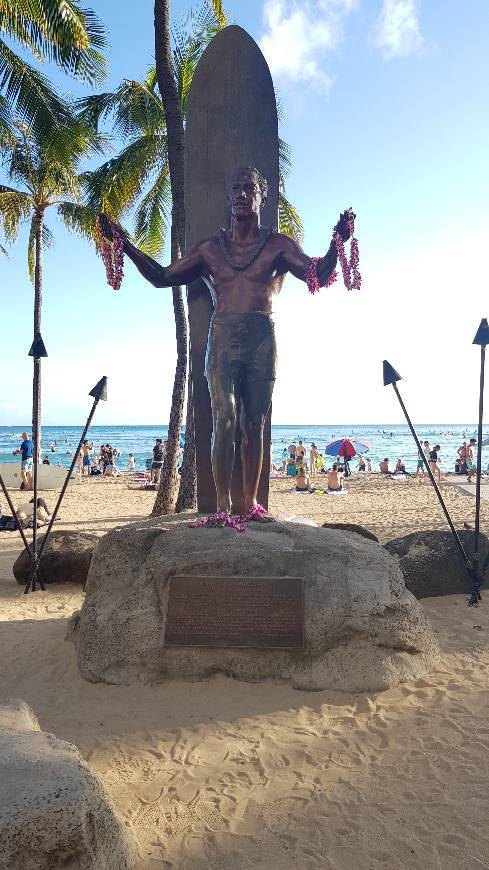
(260, 612)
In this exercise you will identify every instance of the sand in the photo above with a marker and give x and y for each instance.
(227, 775)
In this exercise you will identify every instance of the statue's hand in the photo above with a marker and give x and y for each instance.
(106, 226)
(343, 225)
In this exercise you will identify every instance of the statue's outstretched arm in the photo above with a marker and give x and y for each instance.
(298, 263)
(182, 271)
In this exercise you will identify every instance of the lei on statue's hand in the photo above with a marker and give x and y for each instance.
(349, 268)
(111, 249)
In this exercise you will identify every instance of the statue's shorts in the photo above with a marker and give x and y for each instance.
(241, 347)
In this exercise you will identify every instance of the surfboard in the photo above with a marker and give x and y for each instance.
(48, 476)
(231, 122)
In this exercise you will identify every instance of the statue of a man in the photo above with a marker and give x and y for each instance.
(244, 268)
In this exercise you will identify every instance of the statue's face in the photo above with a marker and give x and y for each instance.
(246, 196)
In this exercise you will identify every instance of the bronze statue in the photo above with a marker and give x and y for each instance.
(244, 268)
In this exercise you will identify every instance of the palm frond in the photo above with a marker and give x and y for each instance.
(289, 220)
(116, 185)
(60, 31)
(30, 95)
(191, 37)
(284, 159)
(219, 12)
(153, 216)
(134, 106)
(78, 218)
(15, 207)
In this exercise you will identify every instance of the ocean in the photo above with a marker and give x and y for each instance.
(384, 440)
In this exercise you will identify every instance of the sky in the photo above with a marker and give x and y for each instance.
(385, 107)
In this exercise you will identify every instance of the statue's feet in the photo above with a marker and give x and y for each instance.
(261, 518)
(258, 514)
(219, 520)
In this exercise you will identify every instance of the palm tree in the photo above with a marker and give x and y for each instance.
(44, 170)
(53, 30)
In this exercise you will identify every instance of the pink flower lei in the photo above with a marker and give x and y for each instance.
(238, 522)
(112, 253)
(349, 268)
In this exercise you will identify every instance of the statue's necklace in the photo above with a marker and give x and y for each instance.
(240, 267)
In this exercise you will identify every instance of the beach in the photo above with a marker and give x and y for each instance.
(231, 775)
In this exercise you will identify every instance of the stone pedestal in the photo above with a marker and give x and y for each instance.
(54, 811)
(362, 629)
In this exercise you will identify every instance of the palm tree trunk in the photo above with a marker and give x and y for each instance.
(187, 494)
(173, 115)
(169, 479)
(36, 390)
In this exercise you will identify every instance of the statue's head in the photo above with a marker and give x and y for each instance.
(248, 192)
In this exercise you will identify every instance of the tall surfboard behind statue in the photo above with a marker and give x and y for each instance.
(231, 122)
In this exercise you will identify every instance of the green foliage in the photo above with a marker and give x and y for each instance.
(45, 171)
(53, 30)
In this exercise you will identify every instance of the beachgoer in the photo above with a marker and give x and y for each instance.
(361, 464)
(292, 449)
(86, 458)
(131, 463)
(469, 460)
(462, 459)
(157, 463)
(291, 467)
(26, 451)
(46, 461)
(302, 483)
(369, 466)
(335, 479)
(285, 456)
(313, 453)
(400, 467)
(320, 464)
(300, 450)
(384, 466)
(435, 468)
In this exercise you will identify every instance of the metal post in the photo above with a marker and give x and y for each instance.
(391, 377)
(479, 464)
(482, 339)
(37, 351)
(99, 392)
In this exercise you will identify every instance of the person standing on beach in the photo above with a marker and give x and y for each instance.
(469, 460)
(312, 459)
(26, 450)
(462, 456)
(157, 463)
(434, 461)
(86, 471)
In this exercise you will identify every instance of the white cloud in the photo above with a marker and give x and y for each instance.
(397, 33)
(299, 35)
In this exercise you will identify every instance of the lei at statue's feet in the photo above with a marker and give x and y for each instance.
(258, 514)
(221, 519)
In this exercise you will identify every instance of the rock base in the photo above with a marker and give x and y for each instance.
(65, 560)
(363, 630)
(55, 812)
(431, 563)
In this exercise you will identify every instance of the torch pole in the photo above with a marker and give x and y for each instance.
(453, 530)
(100, 392)
(479, 464)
